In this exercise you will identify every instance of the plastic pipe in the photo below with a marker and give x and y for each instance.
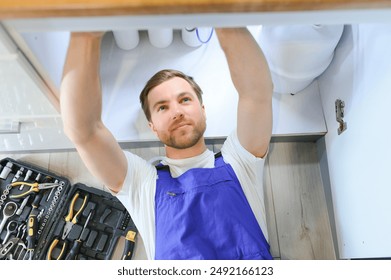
(160, 37)
(126, 39)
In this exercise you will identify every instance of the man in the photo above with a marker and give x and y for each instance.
(193, 206)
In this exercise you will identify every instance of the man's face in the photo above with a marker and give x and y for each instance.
(177, 117)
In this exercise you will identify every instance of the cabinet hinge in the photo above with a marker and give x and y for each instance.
(339, 114)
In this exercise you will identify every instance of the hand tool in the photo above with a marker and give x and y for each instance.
(28, 174)
(21, 230)
(11, 228)
(7, 248)
(18, 174)
(22, 205)
(55, 241)
(6, 170)
(39, 217)
(51, 192)
(78, 242)
(32, 225)
(38, 177)
(130, 240)
(8, 211)
(34, 187)
(70, 220)
(40, 214)
(17, 254)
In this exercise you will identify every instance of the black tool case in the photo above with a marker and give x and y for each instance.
(97, 218)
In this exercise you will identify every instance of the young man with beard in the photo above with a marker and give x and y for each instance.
(194, 205)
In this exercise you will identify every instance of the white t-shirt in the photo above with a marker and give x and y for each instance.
(138, 191)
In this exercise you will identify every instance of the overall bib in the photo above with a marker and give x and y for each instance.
(204, 214)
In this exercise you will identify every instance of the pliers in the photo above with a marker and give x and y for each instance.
(53, 245)
(34, 187)
(70, 220)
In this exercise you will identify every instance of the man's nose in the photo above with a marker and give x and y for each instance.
(177, 113)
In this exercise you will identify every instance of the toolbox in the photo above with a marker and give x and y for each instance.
(43, 216)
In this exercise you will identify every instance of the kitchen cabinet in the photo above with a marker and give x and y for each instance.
(358, 158)
(358, 75)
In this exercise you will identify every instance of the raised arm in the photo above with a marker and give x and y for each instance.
(251, 77)
(81, 107)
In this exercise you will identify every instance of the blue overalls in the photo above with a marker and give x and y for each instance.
(204, 214)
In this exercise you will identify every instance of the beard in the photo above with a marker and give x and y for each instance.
(183, 139)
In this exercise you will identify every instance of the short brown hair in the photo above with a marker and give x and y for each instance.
(159, 78)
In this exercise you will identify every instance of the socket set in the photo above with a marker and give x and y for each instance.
(43, 216)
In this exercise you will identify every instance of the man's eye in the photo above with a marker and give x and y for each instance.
(161, 108)
(186, 99)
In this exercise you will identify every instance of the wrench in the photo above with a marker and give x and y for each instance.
(7, 248)
(21, 230)
(8, 211)
(18, 251)
(11, 228)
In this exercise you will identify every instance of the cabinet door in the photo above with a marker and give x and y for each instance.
(359, 158)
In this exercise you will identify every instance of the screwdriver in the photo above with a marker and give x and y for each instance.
(130, 240)
(32, 225)
(77, 243)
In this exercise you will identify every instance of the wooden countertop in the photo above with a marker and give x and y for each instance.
(11, 9)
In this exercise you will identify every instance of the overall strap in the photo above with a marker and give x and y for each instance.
(163, 167)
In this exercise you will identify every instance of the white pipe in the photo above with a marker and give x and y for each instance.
(189, 37)
(160, 37)
(126, 39)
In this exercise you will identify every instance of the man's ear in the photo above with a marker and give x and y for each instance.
(152, 127)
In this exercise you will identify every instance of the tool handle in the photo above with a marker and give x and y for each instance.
(51, 248)
(78, 213)
(31, 190)
(74, 250)
(37, 200)
(53, 245)
(129, 245)
(32, 226)
(68, 217)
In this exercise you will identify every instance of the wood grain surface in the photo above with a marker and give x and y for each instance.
(75, 8)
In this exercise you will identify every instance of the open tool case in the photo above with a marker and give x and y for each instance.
(63, 221)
